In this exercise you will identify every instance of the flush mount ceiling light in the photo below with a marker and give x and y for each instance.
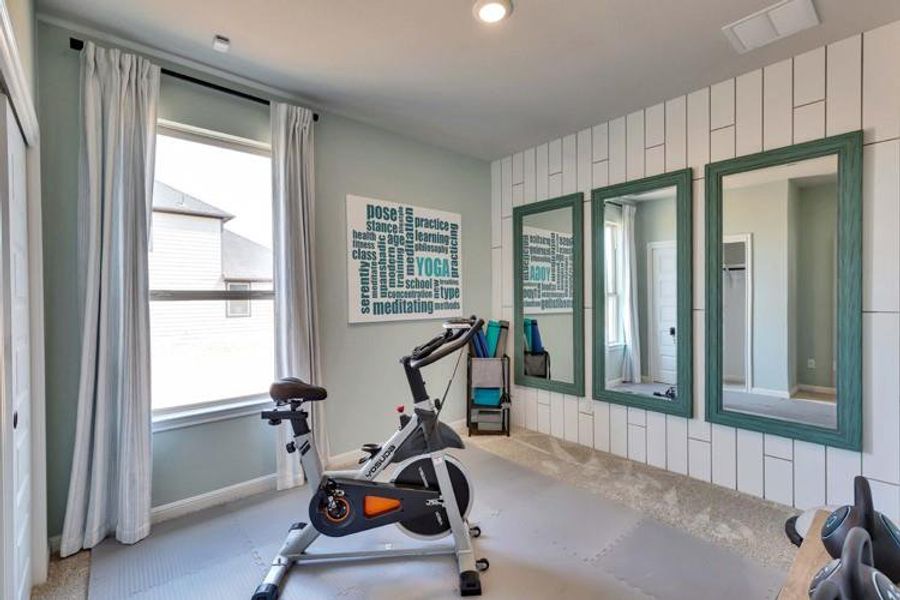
(221, 43)
(492, 11)
(770, 24)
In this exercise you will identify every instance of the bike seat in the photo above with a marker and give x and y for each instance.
(292, 388)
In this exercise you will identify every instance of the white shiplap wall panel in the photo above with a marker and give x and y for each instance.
(496, 290)
(699, 231)
(542, 173)
(881, 219)
(841, 466)
(886, 498)
(518, 194)
(617, 150)
(570, 426)
(518, 168)
(771, 107)
(809, 122)
(724, 456)
(637, 416)
(554, 156)
(721, 143)
(528, 159)
(600, 174)
(588, 403)
(586, 430)
(809, 77)
(809, 475)
(721, 104)
(655, 160)
(637, 443)
(600, 137)
(601, 426)
(506, 186)
(569, 165)
(750, 463)
(588, 275)
(676, 133)
(881, 396)
(519, 406)
(843, 82)
(634, 153)
(496, 207)
(881, 83)
(779, 447)
(656, 439)
(779, 480)
(584, 163)
(554, 185)
(699, 460)
(543, 418)
(507, 260)
(557, 415)
(618, 430)
(778, 105)
(749, 113)
(698, 130)
(655, 125)
(677, 444)
(531, 410)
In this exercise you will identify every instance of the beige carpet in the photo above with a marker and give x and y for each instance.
(750, 526)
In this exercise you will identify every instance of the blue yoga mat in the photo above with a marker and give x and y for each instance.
(537, 345)
(487, 397)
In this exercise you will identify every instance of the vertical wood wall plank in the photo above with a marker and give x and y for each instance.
(809, 76)
(843, 110)
(698, 130)
(778, 105)
(676, 134)
(634, 157)
(749, 117)
(617, 150)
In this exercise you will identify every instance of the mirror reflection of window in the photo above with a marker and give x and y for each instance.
(779, 289)
(547, 295)
(640, 261)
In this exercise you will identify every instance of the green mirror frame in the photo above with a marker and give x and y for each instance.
(683, 184)
(576, 203)
(848, 148)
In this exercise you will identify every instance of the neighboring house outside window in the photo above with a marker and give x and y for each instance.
(237, 308)
(612, 241)
(210, 350)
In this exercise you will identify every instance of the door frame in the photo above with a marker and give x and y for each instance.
(653, 350)
(747, 240)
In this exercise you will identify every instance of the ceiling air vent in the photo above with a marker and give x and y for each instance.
(772, 23)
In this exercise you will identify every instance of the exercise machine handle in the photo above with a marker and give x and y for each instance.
(441, 346)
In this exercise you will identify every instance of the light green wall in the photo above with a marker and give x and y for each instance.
(359, 363)
(816, 250)
(654, 221)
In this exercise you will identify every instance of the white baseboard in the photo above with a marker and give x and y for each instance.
(817, 389)
(613, 382)
(224, 495)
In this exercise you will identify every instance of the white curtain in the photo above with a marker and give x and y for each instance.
(109, 486)
(631, 365)
(296, 314)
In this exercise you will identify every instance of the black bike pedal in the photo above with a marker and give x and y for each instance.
(469, 583)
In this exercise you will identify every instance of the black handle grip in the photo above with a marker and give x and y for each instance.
(459, 339)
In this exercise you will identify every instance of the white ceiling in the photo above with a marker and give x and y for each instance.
(427, 69)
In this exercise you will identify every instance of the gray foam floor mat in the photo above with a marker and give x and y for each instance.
(544, 538)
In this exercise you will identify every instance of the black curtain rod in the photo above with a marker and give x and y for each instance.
(76, 44)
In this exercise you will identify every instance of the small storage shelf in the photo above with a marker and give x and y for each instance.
(492, 373)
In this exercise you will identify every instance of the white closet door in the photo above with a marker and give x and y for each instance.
(16, 370)
(663, 312)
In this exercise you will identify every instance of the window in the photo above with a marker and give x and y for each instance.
(212, 329)
(237, 308)
(612, 242)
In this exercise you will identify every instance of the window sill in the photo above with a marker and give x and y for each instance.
(210, 413)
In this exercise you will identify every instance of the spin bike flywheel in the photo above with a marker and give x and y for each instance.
(419, 470)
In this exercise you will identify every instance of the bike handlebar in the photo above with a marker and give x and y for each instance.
(443, 345)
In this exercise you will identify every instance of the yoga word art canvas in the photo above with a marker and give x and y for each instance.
(547, 265)
(403, 262)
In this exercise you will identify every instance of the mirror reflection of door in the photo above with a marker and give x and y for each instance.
(779, 281)
(641, 284)
(548, 283)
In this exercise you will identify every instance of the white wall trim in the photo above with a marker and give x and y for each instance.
(231, 493)
(817, 389)
(759, 391)
(191, 416)
(15, 81)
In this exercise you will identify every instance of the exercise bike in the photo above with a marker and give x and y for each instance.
(428, 497)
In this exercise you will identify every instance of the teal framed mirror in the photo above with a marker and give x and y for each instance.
(548, 268)
(783, 291)
(642, 293)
